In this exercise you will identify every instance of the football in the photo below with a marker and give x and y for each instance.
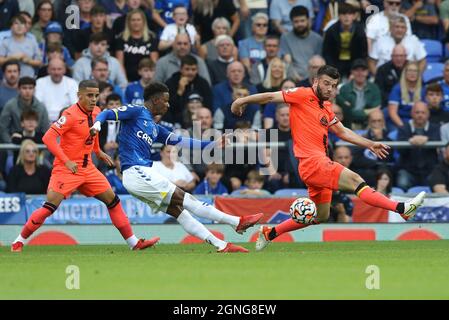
(303, 210)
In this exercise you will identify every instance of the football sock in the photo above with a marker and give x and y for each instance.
(207, 211)
(120, 220)
(195, 228)
(132, 241)
(20, 239)
(37, 219)
(286, 226)
(376, 199)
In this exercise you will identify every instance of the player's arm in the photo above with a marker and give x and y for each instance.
(169, 138)
(122, 113)
(100, 154)
(346, 134)
(51, 141)
(238, 106)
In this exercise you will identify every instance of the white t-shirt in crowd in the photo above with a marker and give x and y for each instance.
(170, 31)
(382, 49)
(378, 26)
(179, 171)
(56, 96)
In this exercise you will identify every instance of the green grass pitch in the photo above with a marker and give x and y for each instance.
(407, 270)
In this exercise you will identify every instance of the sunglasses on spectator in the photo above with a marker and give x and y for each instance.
(261, 25)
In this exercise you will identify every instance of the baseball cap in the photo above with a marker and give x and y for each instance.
(195, 96)
(53, 27)
(359, 63)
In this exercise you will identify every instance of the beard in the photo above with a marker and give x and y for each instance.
(321, 95)
(301, 32)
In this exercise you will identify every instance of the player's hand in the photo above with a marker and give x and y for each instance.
(380, 150)
(238, 107)
(105, 158)
(72, 166)
(95, 128)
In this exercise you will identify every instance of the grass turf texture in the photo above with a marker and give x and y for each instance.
(332, 270)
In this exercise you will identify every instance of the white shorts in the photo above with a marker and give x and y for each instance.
(147, 185)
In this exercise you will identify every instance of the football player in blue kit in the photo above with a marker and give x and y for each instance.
(138, 132)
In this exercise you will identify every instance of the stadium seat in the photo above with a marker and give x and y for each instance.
(418, 189)
(434, 71)
(292, 192)
(397, 190)
(434, 50)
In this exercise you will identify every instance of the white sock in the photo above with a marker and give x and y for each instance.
(132, 241)
(20, 238)
(195, 228)
(207, 211)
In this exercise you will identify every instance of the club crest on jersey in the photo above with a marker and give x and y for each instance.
(61, 122)
(324, 121)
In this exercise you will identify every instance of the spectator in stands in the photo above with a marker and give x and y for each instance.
(115, 177)
(120, 23)
(134, 90)
(280, 14)
(225, 119)
(439, 177)
(98, 46)
(444, 15)
(208, 50)
(136, 43)
(345, 41)
(424, 17)
(114, 9)
(11, 113)
(404, 94)
(21, 48)
(338, 111)
(314, 64)
(8, 9)
(251, 50)
(259, 68)
(98, 16)
(345, 156)
(184, 83)
(359, 97)
(211, 185)
(189, 114)
(108, 136)
(205, 12)
(300, 44)
(269, 111)
(100, 73)
(382, 49)
(170, 63)
(52, 51)
(276, 73)
(341, 208)
(379, 24)
(53, 35)
(384, 181)
(389, 73)
(444, 83)
(28, 24)
(180, 25)
(433, 98)
(173, 170)
(29, 123)
(269, 167)
(44, 15)
(222, 92)
(164, 11)
(217, 68)
(105, 89)
(56, 90)
(417, 131)
(9, 85)
(27, 175)
(254, 184)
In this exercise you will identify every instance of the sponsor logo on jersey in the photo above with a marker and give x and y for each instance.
(142, 135)
(323, 121)
(61, 121)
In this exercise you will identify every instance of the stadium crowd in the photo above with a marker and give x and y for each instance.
(390, 53)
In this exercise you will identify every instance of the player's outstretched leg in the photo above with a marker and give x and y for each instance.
(195, 228)
(121, 222)
(34, 222)
(204, 210)
(350, 180)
